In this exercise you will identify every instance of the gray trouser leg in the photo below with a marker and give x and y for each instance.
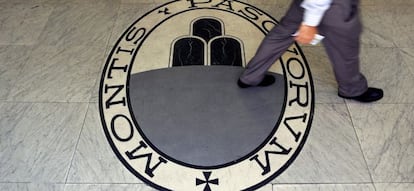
(274, 45)
(342, 44)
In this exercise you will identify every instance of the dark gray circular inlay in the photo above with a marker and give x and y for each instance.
(199, 116)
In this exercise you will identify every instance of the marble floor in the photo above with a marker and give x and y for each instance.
(50, 130)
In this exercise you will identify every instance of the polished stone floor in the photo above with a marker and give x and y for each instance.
(50, 130)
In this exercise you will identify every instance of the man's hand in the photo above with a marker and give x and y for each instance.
(306, 34)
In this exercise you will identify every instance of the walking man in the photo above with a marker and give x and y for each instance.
(338, 21)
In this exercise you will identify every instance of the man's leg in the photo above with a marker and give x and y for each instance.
(273, 46)
(342, 30)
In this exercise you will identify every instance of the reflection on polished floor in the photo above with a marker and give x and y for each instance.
(50, 130)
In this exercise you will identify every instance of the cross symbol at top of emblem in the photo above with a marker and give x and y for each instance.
(165, 11)
(207, 181)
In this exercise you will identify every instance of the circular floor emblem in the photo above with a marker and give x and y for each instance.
(172, 111)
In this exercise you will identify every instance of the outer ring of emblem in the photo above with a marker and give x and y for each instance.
(150, 165)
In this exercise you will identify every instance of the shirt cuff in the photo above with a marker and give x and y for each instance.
(312, 18)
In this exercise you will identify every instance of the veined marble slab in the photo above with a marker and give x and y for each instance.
(386, 2)
(80, 24)
(108, 187)
(407, 55)
(95, 89)
(61, 1)
(324, 187)
(12, 60)
(38, 140)
(394, 186)
(388, 25)
(385, 69)
(94, 160)
(386, 134)
(377, 30)
(402, 25)
(31, 187)
(22, 24)
(59, 74)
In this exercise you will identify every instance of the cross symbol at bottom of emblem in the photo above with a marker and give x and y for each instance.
(207, 181)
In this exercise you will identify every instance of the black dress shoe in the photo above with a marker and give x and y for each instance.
(267, 81)
(372, 94)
